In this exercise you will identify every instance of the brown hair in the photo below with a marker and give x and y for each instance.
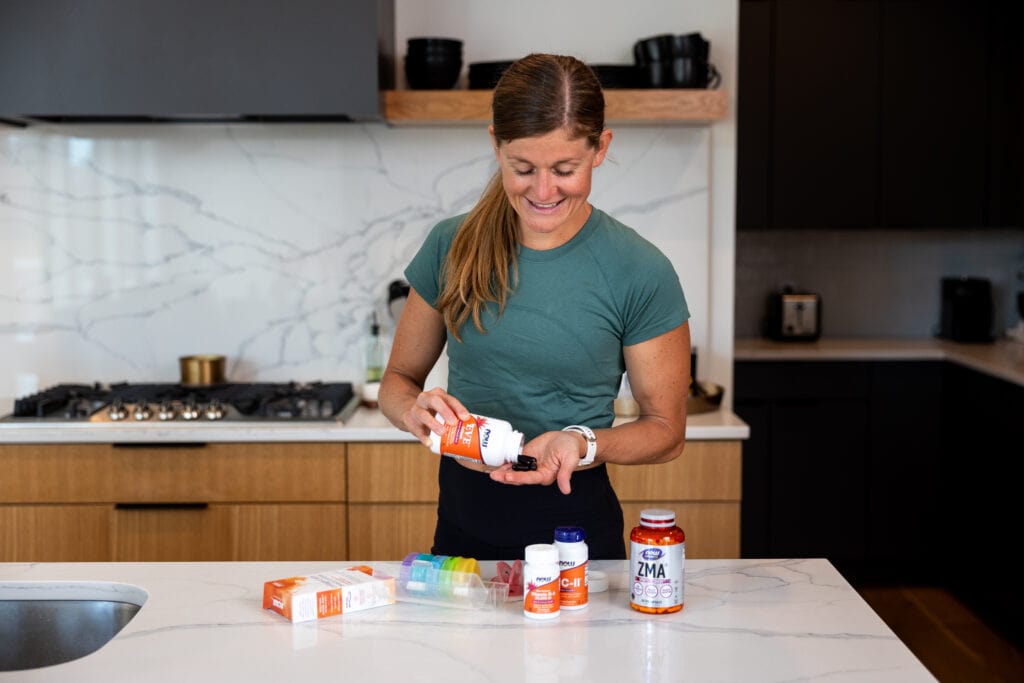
(538, 94)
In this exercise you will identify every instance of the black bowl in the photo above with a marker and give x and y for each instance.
(618, 75)
(448, 45)
(432, 74)
(485, 75)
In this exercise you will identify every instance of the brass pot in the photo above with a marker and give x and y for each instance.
(202, 370)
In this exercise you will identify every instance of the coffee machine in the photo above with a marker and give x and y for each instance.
(966, 314)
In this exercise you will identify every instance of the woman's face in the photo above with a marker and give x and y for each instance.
(547, 180)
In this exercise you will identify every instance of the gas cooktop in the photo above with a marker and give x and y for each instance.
(161, 403)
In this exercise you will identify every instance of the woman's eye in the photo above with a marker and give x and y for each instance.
(563, 174)
(519, 172)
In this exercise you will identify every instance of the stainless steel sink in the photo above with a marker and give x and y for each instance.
(50, 622)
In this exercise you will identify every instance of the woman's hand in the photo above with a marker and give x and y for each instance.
(422, 416)
(558, 455)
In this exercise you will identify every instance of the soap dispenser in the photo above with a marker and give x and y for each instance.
(375, 352)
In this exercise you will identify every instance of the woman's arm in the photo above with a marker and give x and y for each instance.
(659, 375)
(419, 340)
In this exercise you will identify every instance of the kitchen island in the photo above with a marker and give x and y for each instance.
(744, 620)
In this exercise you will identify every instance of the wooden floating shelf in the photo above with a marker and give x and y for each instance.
(622, 106)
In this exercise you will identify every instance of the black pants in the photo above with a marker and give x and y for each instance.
(487, 520)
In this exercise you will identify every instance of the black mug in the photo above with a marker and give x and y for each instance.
(690, 45)
(690, 72)
(653, 49)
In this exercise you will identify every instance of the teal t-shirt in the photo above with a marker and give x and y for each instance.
(554, 355)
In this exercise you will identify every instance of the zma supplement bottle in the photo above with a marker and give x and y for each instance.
(657, 552)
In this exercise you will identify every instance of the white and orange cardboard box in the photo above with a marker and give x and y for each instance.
(306, 598)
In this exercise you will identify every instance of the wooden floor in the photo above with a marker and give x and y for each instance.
(953, 643)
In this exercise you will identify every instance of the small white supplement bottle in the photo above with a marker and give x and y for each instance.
(540, 581)
(574, 570)
(480, 439)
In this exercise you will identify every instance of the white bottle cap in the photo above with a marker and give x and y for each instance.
(657, 518)
(598, 582)
(542, 553)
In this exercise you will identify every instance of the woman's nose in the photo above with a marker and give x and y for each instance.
(546, 185)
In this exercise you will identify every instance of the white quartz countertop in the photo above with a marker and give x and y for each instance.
(744, 620)
(363, 425)
(1003, 358)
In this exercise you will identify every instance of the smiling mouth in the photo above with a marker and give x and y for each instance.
(550, 205)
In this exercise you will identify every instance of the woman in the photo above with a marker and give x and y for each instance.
(543, 301)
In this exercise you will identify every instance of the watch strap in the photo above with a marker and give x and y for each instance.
(591, 438)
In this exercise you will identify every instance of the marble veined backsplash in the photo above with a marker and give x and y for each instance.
(126, 246)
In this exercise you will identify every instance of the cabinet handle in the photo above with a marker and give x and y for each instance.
(161, 506)
(160, 444)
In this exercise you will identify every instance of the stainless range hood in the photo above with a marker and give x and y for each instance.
(195, 60)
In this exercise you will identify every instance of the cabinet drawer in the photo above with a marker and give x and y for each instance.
(712, 529)
(801, 380)
(223, 533)
(55, 533)
(707, 470)
(392, 472)
(389, 531)
(185, 473)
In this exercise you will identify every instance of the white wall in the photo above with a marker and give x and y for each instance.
(123, 247)
(604, 31)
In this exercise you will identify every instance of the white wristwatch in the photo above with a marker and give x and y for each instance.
(591, 438)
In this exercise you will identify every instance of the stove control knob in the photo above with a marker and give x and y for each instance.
(117, 410)
(215, 410)
(165, 411)
(190, 411)
(141, 412)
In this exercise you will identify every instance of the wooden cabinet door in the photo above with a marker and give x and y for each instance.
(390, 531)
(55, 533)
(222, 533)
(703, 487)
(392, 493)
(712, 529)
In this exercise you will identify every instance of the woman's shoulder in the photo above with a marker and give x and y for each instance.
(615, 239)
(443, 232)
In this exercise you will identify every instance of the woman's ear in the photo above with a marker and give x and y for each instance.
(494, 140)
(602, 146)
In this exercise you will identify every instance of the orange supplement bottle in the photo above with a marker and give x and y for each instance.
(540, 581)
(657, 553)
(574, 569)
(480, 439)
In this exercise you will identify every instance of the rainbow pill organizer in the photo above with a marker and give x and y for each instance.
(447, 581)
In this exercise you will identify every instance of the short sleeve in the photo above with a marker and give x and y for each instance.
(655, 303)
(424, 271)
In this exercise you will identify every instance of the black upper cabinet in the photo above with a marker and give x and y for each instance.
(880, 113)
(934, 127)
(126, 58)
(825, 152)
(753, 113)
(1006, 103)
